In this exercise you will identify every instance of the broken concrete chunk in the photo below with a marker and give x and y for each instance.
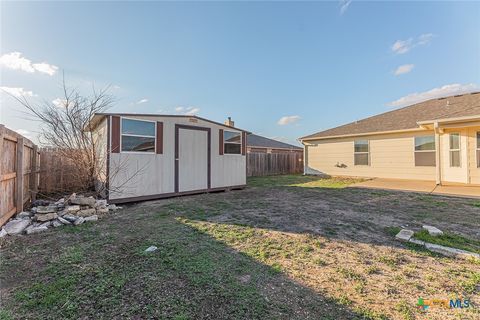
(83, 201)
(404, 235)
(16, 226)
(433, 231)
(101, 204)
(112, 207)
(415, 241)
(102, 210)
(91, 218)
(23, 214)
(45, 217)
(49, 209)
(72, 209)
(86, 212)
(36, 229)
(46, 224)
(69, 218)
(79, 220)
(3, 233)
(63, 221)
(56, 223)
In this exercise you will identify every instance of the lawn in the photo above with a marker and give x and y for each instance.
(288, 247)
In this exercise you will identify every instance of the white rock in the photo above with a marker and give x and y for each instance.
(57, 223)
(433, 231)
(16, 226)
(86, 212)
(91, 218)
(112, 207)
(23, 214)
(79, 220)
(36, 229)
(102, 210)
(151, 249)
(404, 235)
(63, 221)
(416, 241)
(46, 224)
(3, 233)
(69, 218)
(101, 203)
(72, 209)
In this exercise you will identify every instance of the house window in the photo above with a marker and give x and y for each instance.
(478, 149)
(138, 135)
(454, 141)
(425, 151)
(232, 142)
(361, 153)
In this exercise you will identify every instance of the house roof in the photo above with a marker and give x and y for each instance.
(407, 118)
(254, 140)
(98, 116)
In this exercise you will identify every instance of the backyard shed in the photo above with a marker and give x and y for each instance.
(151, 156)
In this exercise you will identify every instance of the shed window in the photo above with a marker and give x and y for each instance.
(478, 149)
(138, 135)
(425, 151)
(232, 142)
(454, 142)
(361, 153)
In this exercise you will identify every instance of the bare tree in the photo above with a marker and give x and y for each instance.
(65, 125)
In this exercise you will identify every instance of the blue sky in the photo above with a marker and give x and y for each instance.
(280, 69)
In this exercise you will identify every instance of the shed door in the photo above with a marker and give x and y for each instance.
(192, 160)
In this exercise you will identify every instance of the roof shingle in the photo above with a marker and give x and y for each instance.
(407, 117)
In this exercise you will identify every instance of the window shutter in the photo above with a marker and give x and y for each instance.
(159, 137)
(220, 142)
(115, 148)
(244, 143)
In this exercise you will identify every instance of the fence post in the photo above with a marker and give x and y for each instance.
(34, 175)
(19, 178)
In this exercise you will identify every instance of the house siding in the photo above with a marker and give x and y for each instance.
(391, 156)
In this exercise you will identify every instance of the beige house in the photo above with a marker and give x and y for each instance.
(152, 156)
(436, 140)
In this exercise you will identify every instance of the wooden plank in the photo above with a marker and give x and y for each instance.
(8, 176)
(19, 180)
(7, 216)
(34, 174)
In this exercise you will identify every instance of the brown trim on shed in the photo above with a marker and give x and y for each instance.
(175, 194)
(209, 152)
(220, 142)
(115, 134)
(159, 148)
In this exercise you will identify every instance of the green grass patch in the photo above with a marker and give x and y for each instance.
(301, 181)
(476, 204)
(450, 240)
(392, 231)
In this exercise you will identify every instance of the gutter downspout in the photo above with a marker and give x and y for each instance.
(438, 154)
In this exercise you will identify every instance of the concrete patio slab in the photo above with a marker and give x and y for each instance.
(459, 190)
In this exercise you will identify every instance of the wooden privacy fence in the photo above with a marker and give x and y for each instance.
(265, 164)
(19, 172)
(59, 174)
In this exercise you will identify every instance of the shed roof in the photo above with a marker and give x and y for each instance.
(98, 116)
(466, 105)
(254, 140)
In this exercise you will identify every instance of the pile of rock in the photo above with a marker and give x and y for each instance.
(73, 210)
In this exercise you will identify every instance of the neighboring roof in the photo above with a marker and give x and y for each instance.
(98, 116)
(256, 141)
(407, 118)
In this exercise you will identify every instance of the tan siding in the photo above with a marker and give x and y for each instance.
(391, 156)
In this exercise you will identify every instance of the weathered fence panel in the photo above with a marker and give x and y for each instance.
(60, 174)
(19, 161)
(265, 164)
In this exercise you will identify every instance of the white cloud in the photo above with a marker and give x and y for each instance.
(406, 68)
(288, 120)
(344, 4)
(142, 101)
(444, 91)
(403, 46)
(15, 61)
(189, 111)
(18, 92)
(192, 111)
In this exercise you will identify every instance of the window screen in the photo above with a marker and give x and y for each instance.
(361, 153)
(425, 151)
